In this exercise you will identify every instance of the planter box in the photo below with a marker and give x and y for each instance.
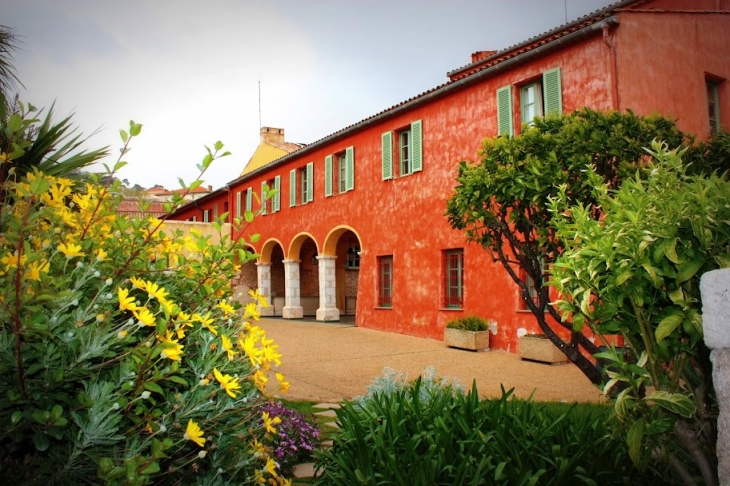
(540, 349)
(473, 340)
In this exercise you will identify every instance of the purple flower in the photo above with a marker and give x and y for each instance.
(295, 439)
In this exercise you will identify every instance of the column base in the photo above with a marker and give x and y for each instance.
(324, 314)
(293, 312)
(266, 311)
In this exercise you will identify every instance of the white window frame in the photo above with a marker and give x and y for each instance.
(713, 106)
(342, 172)
(537, 105)
(405, 158)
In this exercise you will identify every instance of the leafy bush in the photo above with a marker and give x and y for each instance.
(123, 358)
(469, 323)
(295, 439)
(442, 436)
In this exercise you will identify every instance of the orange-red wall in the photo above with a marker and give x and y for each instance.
(404, 217)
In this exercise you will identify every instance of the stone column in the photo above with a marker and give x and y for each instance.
(292, 284)
(264, 278)
(715, 288)
(328, 310)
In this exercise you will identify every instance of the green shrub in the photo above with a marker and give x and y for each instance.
(408, 437)
(469, 323)
(123, 359)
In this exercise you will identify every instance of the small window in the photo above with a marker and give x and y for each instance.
(531, 102)
(304, 178)
(342, 172)
(453, 278)
(713, 107)
(532, 288)
(385, 281)
(238, 205)
(206, 216)
(404, 152)
(352, 258)
(215, 211)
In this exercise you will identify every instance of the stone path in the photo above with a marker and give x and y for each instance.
(306, 470)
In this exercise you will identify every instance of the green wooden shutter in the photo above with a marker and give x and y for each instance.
(264, 190)
(292, 188)
(504, 110)
(350, 168)
(277, 197)
(238, 204)
(387, 145)
(310, 181)
(552, 92)
(249, 199)
(328, 176)
(416, 146)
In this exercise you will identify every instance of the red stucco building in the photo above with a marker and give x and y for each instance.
(357, 226)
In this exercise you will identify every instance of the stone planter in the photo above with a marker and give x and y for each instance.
(540, 349)
(472, 340)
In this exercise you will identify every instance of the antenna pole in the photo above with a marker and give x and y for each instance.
(259, 102)
(565, 3)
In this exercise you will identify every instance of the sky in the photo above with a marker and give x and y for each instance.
(190, 71)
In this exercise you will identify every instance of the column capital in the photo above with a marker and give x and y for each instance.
(291, 261)
(263, 264)
(326, 257)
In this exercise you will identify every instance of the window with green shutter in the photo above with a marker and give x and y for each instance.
(341, 172)
(350, 164)
(264, 197)
(416, 146)
(387, 154)
(249, 199)
(292, 188)
(328, 176)
(276, 203)
(552, 92)
(310, 181)
(504, 110)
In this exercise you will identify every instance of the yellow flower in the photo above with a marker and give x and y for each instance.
(172, 351)
(36, 268)
(138, 282)
(254, 293)
(70, 250)
(284, 385)
(226, 307)
(101, 255)
(155, 291)
(260, 379)
(193, 432)
(122, 334)
(126, 302)
(144, 316)
(248, 346)
(228, 383)
(252, 311)
(228, 346)
(168, 306)
(207, 321)
(258, 448)
(271, 467)
(270, 422)
(12, 260)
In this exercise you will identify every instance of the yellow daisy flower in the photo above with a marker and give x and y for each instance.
(144, 316)
(194, 433)
(101, 255)
(226, 307)
(271, 467)
(252, 311)
(228, 346)
(228, 383)
(126, 302)
(284, 385)
(172, 351)
(207, 321)
(155, 291)
(138, 282)
(71, 250)
(270, 422)
(36, 268)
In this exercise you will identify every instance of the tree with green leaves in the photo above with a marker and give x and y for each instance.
(502, 202)
(636, 272)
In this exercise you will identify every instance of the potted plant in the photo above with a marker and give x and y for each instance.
(470, 332)
(537, 347)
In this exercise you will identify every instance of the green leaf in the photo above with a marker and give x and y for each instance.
(578, 322)
(14, 123)
(39, 185)
(652, 274)
(41, 441)
(16, 417)
(668, 325)
(154, 467)
(218, 145)
(670, 251)
(255, 238)
(674, 402)
(124, 135)
(134, 128)
(248, 216)
(179, 380)
(153, 387)
(207, 160)
(633, 440)
(119, 165)
(688, 270)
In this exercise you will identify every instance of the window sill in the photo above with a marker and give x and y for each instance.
(527, 311)
(383, 308)
(458, 309)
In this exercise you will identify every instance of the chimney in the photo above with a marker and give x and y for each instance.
(479, 55)
(272, 135)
